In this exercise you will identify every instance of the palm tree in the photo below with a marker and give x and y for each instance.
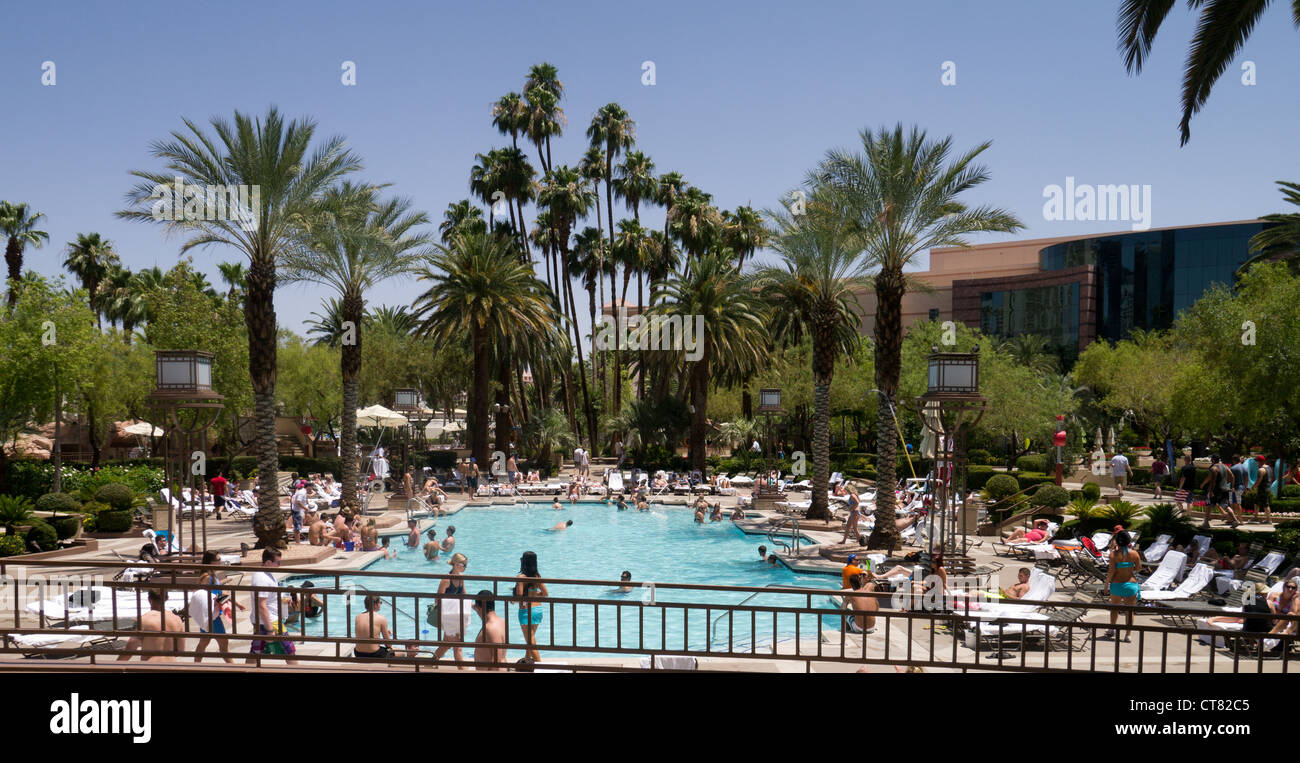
(461, 217)
(734, 334)
(1221, 31)
(635, 181)
(632, 251)
(394, 321)
(812, 290)
(611, 130)
(543, 91)
(510, 116)
(89, 259)
(567, 197)
(1282, 239)
(695, 222)
(671, 186)
(592, 169)
(355, 242)
(480, 290)
(589, 261)
(1032, 351)
(18, 225)
(549, 432)
(743, 232)
(902, 192)
(235, 277)
(516, 177)
(327, 328)
(267, 154)
(126, 296)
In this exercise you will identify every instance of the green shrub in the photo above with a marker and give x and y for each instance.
(58, 503)
(1120, 513)
(1050, 496)
(1141, 476)
(1092, 490)
(12, 545)
(1290, 491)
(1031, 464)
(120, 497)
(114, 521)
(1029, 479)
(30, 479)
(141, 479)
(978, 476)
(1078, 528)
(42, 535)
(1166, 519)
(1286, 505)
(66, 525)
(1000, 486)
(1081, 507)
(979, 456)
(14, 509)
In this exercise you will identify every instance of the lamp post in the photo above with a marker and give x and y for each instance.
(184, 398)
(406, 401)
(769, 404)
(953, 402)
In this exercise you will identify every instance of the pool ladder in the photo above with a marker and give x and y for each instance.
(777, 540)
(749, 598)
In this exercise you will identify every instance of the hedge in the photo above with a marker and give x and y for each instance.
(12, 545)
(66, 526)
(44, 536)
(1286, 505)
(1290, 491)
(1049, 495)
(114, 521)
(58, 503)
(1029, 479)
(1031, 464)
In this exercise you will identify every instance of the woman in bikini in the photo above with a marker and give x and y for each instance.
(531, 612)
(855, 513)
(453, 623)
(1122, 580)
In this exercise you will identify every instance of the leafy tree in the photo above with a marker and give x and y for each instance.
(89, 258)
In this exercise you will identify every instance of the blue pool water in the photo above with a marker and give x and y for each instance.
(662, 545)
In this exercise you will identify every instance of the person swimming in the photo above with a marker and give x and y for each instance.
(625, 577)
(560, 526)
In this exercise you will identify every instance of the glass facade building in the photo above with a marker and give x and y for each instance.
(1145, 278)
(1050, 311)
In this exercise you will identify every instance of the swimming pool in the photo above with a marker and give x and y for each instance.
(661, 545)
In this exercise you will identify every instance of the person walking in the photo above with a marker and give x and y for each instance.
(1264, 489)
(1186, 484)
(1121, 471)
(1159, 473)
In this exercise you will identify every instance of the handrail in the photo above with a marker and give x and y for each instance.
(750, 597)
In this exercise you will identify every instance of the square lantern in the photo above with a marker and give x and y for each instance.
(406, 399)
(769, 400)
(953, 373)
(183, 373)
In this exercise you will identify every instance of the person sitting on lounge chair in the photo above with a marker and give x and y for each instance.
(1037, 534)
(861, 623)
(1021, 587)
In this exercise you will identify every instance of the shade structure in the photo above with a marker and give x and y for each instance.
(145, 429)
(437, 428)
(379, 416)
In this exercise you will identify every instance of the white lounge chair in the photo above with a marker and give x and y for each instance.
(100, 604)
(615, 482)
(1163, 577)
(1196, 581)
(1157, 550)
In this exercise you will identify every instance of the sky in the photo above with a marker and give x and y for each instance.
(747, 96)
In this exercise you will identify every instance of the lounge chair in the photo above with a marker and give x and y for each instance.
(1155, 553)
(615, 482)
(1163, 577)
(100, 604)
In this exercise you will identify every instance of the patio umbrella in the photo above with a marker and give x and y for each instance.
(144, 428)
(379, 416)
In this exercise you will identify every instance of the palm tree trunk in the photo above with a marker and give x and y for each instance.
(56, 454)
(350, 367)
(14, 259)
(522, 392)
(577, 341)
(640, 356)
(699, 419)
(823, 372)
(889, 347)
(503, 400)
(259, 318)
(617, 406)
(478, 402)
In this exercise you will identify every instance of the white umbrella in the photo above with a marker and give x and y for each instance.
(930, 440)
(379, 416)
(144, 428)
(437, 428)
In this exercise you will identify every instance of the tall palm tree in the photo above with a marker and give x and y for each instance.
(592, 169)
(461, 217)
(126, 296)
(734, 336)
(632, 251)
(1221, 31)
(568, 198)
(327, 328)
(510, 116)
(355, 242)
(612, 131)
(516, 177)
(479, 289)
(634, 182)
(89, 259)
(589, 262)
(18, 225)
(902, 193)
(695, 222)
(671, 186)
(812, 290)
(268, 154)
(743, 232)
(392, 320)
(543, 91)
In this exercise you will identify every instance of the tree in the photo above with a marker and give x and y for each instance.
(89, 258)
(1221, 30)
(302, 366)
(480, 289)
(1282, 239)
(811, 290)
(266, 154)
(18, 225)
(235, 277)
(1031, 351)
(734, 333)
(903, 192)
(743, 232)
(461, 217)
(354, 241)
(1134, 376)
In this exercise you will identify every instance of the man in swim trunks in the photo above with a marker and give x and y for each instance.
(433, 547)
(861, 623)
(492, 633)
(371, 624)
(413, 536)
(156, 620)
(1021, 587)
(560, 526)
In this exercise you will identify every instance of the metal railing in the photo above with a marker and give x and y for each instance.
(584, 624)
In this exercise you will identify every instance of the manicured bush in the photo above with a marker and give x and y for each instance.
(979, 456)
(1141, 476)
(1290, 491)
(66, 525)
(1286, 505)
(58, 503)
(1000, 486)
(114, 521)
(141, 479)
(12, 545)
(1029, 479)
(31, 479)
(120, 497)
(1050, 495)
(41, 534)
(1092, 490)
(1031, 464)
(978, 476)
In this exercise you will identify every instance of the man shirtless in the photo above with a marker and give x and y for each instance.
(560, 526)
(319, 533)
(413, 536)
(371, 624)
(492, 633)
(1021, 586)
(861, 623)
(156, 620)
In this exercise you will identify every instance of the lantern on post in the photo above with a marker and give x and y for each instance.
(954, 404)
(406, 401)
(183, 396)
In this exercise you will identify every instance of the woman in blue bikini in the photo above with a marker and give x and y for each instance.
(530, 614)
(1122, 579)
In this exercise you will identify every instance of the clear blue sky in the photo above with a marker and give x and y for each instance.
(749, 95)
